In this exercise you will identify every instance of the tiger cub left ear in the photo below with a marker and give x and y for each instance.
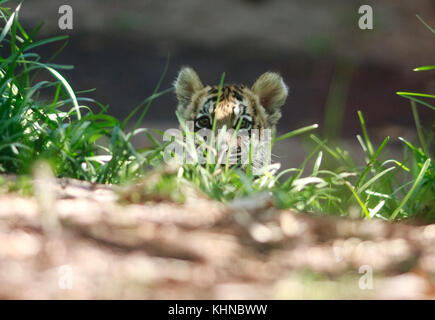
(272, 93)
(186, 85)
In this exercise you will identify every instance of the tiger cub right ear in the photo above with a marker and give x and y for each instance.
(186, 85)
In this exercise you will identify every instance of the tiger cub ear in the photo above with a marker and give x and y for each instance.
(272, 93)
(186, 85)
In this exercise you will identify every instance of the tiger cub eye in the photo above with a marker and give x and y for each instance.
(203, 122)
(245, 124)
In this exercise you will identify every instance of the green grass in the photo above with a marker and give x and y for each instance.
(75, 134)
(80, 140)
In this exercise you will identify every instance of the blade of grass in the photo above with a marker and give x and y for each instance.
(317, 164)
(424, 103)
(427, 26)
(9, 24)
(419, 127)
(424, 68)
(213, 128)
(361, 204)
(411, 191)
(296, 132)
(372, 160)
(372, 180)
(68, 89)
(365, 133)
(44, 42)
(415, 94)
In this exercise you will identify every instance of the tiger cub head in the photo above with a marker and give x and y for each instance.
(255, 107)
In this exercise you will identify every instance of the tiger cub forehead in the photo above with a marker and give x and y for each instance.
(258, 106)
(227, 105)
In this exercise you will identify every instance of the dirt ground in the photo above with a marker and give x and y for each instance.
(74, 239)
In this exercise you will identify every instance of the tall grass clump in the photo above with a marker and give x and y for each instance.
(64, 130)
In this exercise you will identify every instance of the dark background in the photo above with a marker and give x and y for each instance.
(120, 48)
